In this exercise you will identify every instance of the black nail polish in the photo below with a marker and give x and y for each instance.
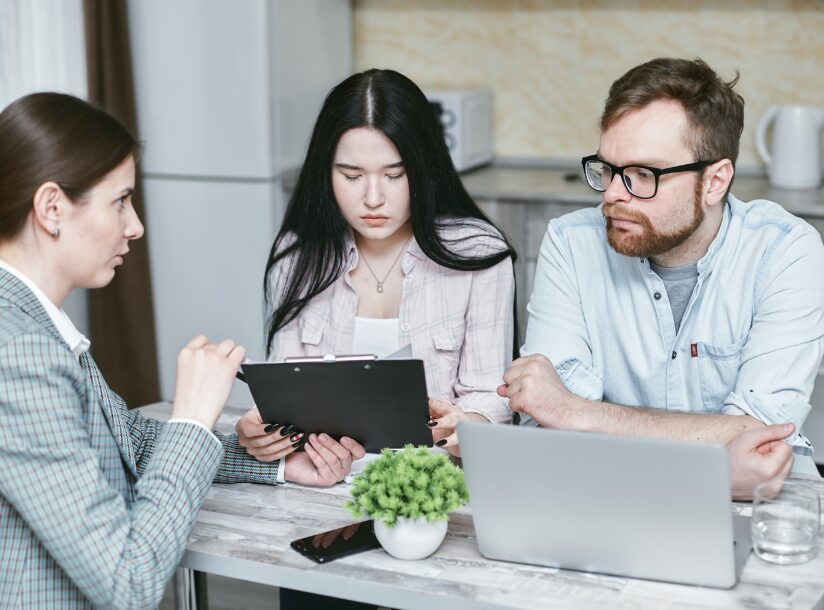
(431, 423)
(296, 436)
(269, 428)
(299, 443)
(287, 429)
(441, 443)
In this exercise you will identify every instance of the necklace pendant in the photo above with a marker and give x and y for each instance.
(380, 286)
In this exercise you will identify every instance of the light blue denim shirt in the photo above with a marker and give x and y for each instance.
(750, 341)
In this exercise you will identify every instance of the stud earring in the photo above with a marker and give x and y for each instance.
(55, 231)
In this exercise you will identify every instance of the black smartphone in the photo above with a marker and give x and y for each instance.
(340, 542)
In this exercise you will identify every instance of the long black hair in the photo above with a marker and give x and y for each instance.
(314, 231)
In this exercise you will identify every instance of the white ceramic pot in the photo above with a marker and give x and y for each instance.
(411, 539)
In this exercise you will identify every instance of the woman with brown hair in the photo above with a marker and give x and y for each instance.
(96, 502)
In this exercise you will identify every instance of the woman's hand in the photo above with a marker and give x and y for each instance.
(266, 442)
(324, 461)
(443, 419)
(205, 374)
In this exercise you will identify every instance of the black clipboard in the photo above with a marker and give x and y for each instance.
(379, 403)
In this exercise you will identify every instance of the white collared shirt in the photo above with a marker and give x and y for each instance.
(76, 341)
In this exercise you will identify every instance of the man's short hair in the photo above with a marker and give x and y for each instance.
(715, 113)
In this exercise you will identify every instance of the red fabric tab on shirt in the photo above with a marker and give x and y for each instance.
(694, 350)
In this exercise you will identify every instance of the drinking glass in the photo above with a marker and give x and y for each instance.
(785, 521)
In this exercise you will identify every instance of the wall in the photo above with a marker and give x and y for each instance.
(550, 62)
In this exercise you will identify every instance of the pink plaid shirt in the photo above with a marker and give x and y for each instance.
(460, 323)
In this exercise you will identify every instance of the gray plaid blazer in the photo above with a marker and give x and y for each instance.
(96, 502)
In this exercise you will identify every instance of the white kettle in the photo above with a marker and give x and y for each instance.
(795, 162)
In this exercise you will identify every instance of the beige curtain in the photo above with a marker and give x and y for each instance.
(121, 318)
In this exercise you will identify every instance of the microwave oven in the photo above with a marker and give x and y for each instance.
(466, 116)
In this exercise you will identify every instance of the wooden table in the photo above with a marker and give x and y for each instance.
(243, 531)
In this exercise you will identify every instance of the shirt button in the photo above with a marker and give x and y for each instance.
(404, 327)
(674, 354)
(657, 295)
(409, 278)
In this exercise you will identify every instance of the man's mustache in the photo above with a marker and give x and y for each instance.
(608, 210)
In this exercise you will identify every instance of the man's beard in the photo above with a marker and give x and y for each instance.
(651, 242)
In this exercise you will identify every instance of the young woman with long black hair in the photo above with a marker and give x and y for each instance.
(380, 247)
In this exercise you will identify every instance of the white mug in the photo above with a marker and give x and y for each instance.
(795, 159)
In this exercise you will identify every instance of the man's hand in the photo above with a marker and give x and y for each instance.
(324, 461)
(533, 387)
(759, 455)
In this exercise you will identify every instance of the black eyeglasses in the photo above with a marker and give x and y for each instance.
(640, 180)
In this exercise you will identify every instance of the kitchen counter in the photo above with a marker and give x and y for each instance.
(567, 186)
(523, 184)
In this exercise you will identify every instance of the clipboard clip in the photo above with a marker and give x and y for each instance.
(331, 358)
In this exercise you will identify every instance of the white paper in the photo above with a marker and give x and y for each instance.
(404, 353)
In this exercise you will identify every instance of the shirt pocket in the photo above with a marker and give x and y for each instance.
(718, 371)
(447, 343)
(311, 325)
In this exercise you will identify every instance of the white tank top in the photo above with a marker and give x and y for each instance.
(377, 336)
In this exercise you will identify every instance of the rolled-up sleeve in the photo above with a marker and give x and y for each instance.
(556, 326)
(784, 347)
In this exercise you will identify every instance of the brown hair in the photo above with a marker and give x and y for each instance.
(53, 137)
(715, 113)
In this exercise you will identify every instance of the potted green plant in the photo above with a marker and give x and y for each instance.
(409, 494)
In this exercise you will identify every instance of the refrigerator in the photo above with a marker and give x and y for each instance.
(227, 93)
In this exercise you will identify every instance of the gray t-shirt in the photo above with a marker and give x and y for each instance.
(679, 282)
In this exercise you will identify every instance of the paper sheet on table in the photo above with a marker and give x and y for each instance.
(404, 353)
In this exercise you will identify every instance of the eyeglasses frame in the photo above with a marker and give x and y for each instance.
(618, 170)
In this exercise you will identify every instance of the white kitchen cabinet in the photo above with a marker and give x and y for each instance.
(227, 94)
(208, 246)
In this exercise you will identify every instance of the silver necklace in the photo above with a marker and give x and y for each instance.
(395, 262)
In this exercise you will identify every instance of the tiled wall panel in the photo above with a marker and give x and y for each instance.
(550, 62)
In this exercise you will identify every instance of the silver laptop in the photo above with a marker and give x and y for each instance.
(642, 508)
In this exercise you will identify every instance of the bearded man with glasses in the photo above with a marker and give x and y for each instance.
(674, 309)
